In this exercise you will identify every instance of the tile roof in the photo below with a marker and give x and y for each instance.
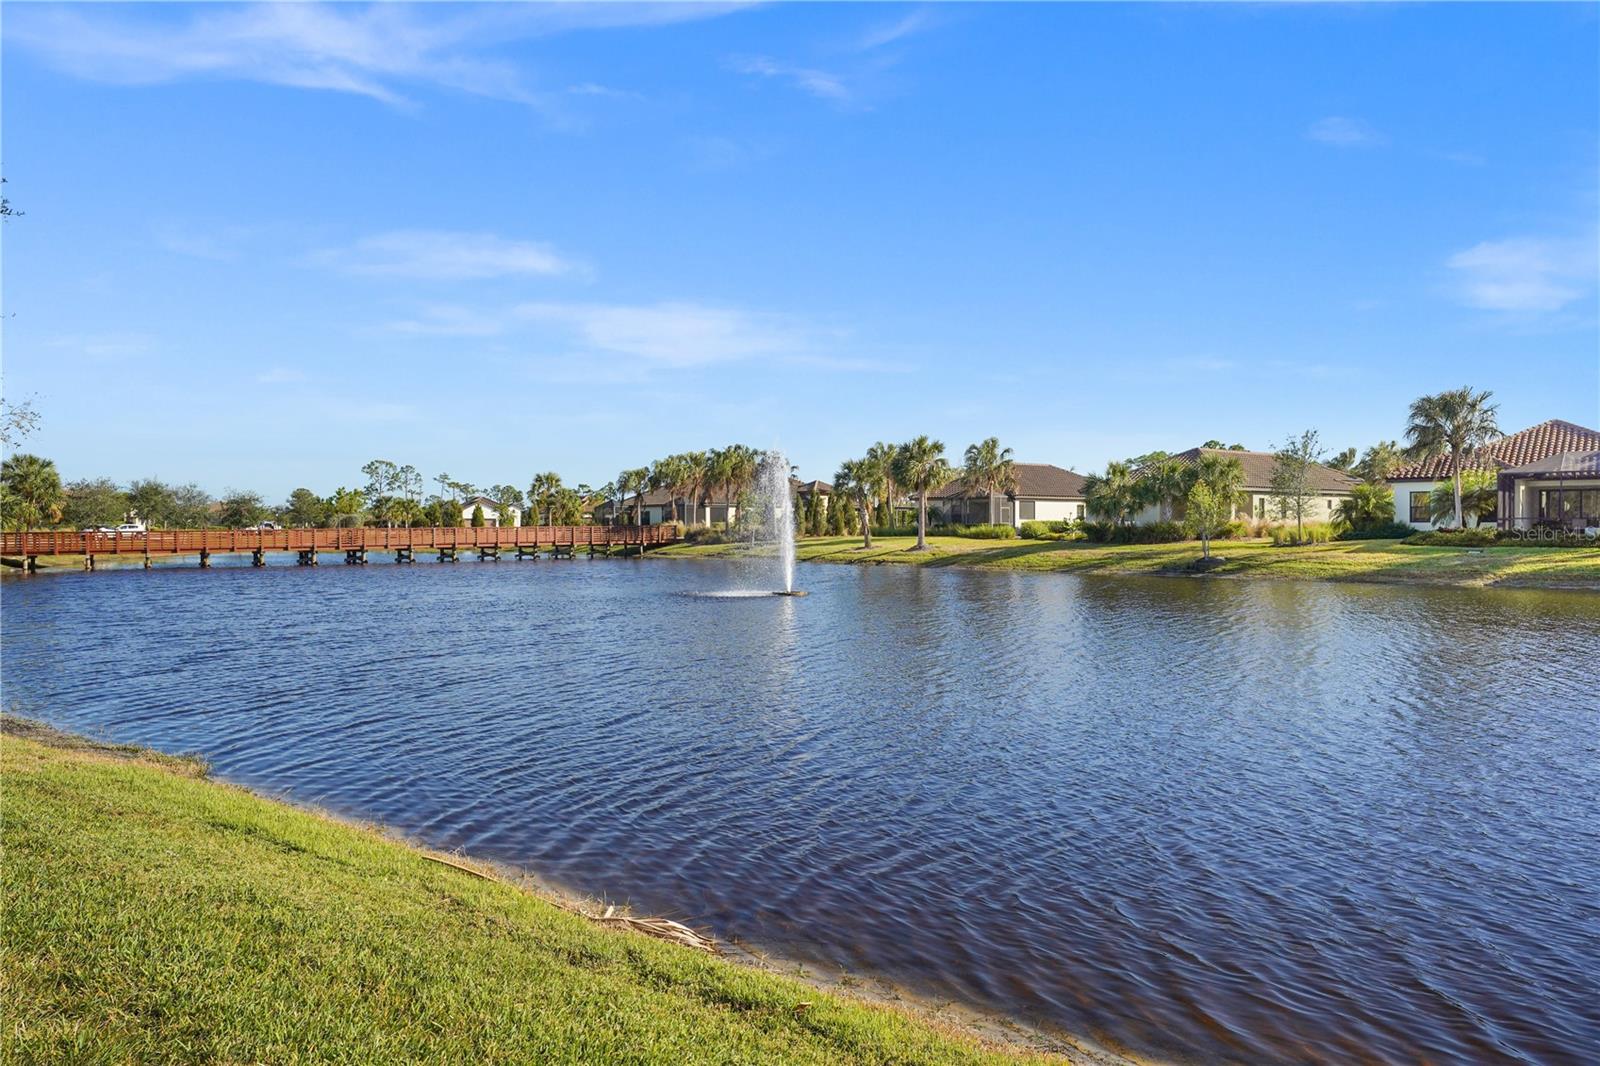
(1258, 467)
(1559, 465)
(1034, 481)
(1519, 449)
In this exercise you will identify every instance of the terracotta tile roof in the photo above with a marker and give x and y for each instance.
(1034, 481)
(1559, 465)
(1519, 449)
(1258, 467)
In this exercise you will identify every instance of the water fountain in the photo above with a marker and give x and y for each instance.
(778, 501)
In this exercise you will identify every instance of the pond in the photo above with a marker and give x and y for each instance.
(1201, 820)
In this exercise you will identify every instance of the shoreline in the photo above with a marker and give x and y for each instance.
(991, 1029)
(1369, 562)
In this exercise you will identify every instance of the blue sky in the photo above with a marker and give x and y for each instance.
(265, 244)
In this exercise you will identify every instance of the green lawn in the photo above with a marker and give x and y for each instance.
(153, 915)
(1370, 560)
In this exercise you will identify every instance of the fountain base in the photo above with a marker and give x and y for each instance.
(792, 592)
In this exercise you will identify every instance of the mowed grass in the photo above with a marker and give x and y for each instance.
(153, 915)
(1371, 560)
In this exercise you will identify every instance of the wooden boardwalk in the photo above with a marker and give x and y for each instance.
(308, 544)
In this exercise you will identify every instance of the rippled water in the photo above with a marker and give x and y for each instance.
(1219, 821)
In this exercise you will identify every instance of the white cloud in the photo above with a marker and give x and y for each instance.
(1526, 274)
(371, 51)
(672, 334)
(1344, 132)
(443, 255)
(819, 83)
(890, 32)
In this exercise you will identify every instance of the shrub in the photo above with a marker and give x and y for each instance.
(1311, 533)
(1151, 533)
(1456, 538)
(982, 531)
(1385, 531)
(894, 531)
(1037, 530)
(1238, 529)
(706, 535)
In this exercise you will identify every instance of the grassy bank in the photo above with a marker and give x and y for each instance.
(1371, 560)
(151, 914)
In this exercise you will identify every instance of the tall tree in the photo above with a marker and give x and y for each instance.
(542, 496)
(1291, 487)
(346, 507)
(33, 494)
(1345, 461)
(94, 502)
(1162, 484)
(383, 481)
(508, 496)
(882, 456)
(988, 468)
(240, 509)
(1222, 474)
(696, 478)
(1379, 461)
(1113, 495)
(920, 467)
(305, 508)
(1457, 422)
(637, 482)
(857, 481)
(478, 520)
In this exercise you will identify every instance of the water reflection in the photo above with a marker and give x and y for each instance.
(1224, 820)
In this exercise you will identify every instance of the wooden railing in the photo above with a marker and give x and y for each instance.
(194, 541)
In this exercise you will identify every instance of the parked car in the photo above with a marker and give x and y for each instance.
(265, 526)
(128, 527)
(97, 529)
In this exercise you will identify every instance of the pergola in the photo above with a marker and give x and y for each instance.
(1559, 469)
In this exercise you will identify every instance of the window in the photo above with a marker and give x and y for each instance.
(1026, 509)
(1261, 507)
(1419, 507)
(1080, 512)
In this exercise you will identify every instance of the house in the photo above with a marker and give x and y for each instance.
(1043, 493)
(661, 505)
(804, 490)
(1257, 502)
(1546, 477)
(494, 514)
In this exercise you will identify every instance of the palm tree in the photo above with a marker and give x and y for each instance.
(882, 457)
(1379, 461)
(1222, 474)
(1369, 504)
(1456, 422)
(670, 474)
(1114, 494)
(988, 468)
(920, 467)
(1474, 495)
(1163, 483)
(635, 481)
(697, 478)
(857, 480)
(542, 494)
(33, 491)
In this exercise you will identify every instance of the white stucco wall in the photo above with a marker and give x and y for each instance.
(1050, 511)
(1402, 501)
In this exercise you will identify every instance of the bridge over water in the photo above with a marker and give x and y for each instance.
(308, 544)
